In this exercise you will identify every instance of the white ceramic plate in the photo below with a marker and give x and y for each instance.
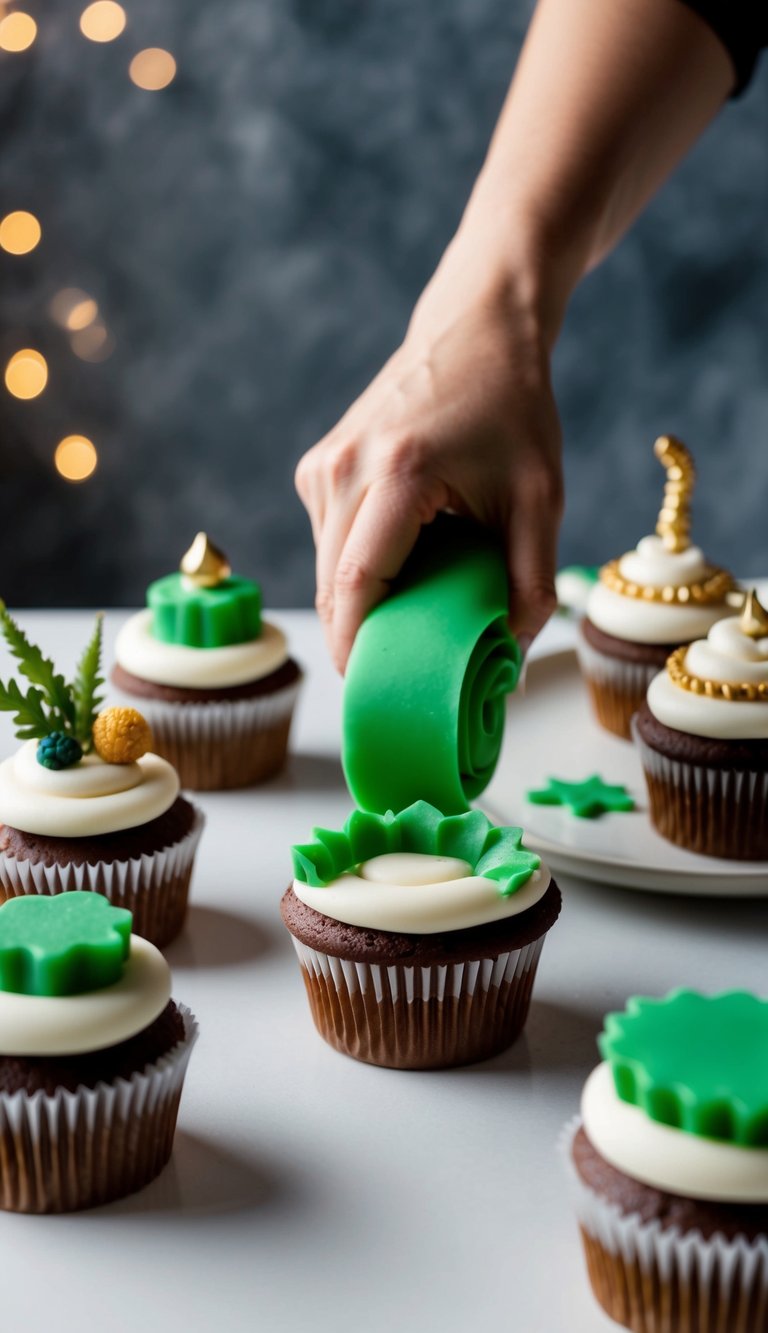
(551, 733)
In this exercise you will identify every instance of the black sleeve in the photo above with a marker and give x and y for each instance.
(742, 26)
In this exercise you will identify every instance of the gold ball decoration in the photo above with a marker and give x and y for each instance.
(121, 735)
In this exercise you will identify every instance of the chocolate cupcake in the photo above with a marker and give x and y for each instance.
(703, 740)
(93, 1053)
(419, 936)
(215, 681)
(82, 803)
(655, 598)
(669, 1165)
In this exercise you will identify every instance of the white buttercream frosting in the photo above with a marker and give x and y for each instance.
(651, 565)
(667, 1158)
(86, 800)
(423, 900)
(726, 655)
(140, 653)
(42, 1025)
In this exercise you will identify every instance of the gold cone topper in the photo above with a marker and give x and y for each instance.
(204, 564)
(754, 617)
(674, 522)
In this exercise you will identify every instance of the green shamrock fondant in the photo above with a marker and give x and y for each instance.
(494, 853)
(696, 1062)
(586, 799)
(62, 945)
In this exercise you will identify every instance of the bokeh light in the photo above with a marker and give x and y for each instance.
(102, 21)
(72, 308)
(75, 458)
(82, 314)
(26, 374)
(152, 69)
(17, 31)
(19, 232)
(93, 343)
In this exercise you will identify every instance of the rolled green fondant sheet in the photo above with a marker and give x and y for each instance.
(427, 680)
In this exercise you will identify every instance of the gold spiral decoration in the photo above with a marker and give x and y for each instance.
(674, 522)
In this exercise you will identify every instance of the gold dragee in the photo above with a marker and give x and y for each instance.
(204, 563)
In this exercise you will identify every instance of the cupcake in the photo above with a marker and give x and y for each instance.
(669, 1165)
(83, 804)
(418, 935)
(655, 598)
(93, 1053)
(215, 681)
(702, 734)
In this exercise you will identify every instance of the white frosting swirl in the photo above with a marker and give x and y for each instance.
(175, 664)
(667, 1158)
(423, 900)
(43, 1025)
(652, 565)
(728, 655)
(86, 800)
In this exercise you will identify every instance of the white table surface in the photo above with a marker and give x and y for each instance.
(310, 1192)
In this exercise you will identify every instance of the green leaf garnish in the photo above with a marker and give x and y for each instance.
(41, 672)
(86, 686)
(30, 720)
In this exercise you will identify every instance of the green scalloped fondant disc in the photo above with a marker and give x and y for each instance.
(67, 944)
(214, 617)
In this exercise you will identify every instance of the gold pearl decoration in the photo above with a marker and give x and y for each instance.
(674, 522)
(736, 693)
(204, 564)
(709, 590)
(754, 617)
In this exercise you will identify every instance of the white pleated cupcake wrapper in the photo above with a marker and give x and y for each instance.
(216, 721)
(439, 982)
(51, 1132)
(629, 677)
(117, 880)
(711, 1264)
(747, 786)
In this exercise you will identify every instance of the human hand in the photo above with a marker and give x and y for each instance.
(461, 417)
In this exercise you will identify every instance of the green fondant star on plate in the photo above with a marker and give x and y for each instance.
(696, 1062)
(585, 799)
(67, 944)
(492, 852)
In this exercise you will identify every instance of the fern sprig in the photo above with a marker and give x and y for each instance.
(31, 720)
(41, 672)
(86, 686)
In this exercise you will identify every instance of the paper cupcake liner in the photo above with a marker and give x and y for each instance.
(655, 1279)
(616, 688)
(72, 1150)
(714, 811)
(219, 745)
(154, 887)
(420, 1017)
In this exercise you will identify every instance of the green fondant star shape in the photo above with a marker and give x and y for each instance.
(586, 799)
(694, 1062)
(67, 944)
(494, 853)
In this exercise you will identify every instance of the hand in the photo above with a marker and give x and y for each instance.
(461, 417)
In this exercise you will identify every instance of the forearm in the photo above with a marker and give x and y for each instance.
(607, 98)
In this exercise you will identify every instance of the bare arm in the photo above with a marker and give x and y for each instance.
(607, 98)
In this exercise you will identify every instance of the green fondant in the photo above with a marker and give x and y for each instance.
(427, 679)
(494, 853)
(214, 617)
(586, 799)
(67, 944)
(696, 1062)
(57, 751)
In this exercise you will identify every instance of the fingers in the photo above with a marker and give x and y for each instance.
(532, 556)
(381, 536)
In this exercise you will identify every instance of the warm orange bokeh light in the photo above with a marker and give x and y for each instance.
(102, 21)
(152, 69)
(75, 458)
(26, 374)
(19, 233)
(82, 314)
(17, 31)
(92, 343)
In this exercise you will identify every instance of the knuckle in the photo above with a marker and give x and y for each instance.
(341, 463)
(351, 576)
(539, 594)
(324, 603)
(302, 477)
(401, 455)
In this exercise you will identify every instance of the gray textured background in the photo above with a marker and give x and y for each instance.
(256, 236)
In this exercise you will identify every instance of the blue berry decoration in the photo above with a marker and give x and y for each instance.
(58, 750)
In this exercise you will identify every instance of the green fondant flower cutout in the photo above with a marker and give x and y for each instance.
(586, 799)
(696, 1062)
(62, 945)
(494, 853)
